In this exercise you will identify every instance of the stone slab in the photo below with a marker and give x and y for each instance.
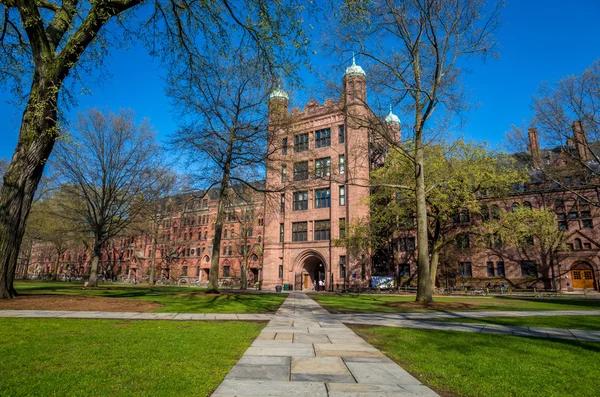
(264, 360)
(381, 374)
(281, 351)
(260, 372)
(258, 388)
(319, 365)
(311, 338)
(372, 390)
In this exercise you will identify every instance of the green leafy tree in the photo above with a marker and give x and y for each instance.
(534, 233)
(460, 173)
(46, 47)
(414, 49)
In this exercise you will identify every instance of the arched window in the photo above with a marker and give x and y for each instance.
(577, 244)
(527, 204)
(232, 234)
(259, 239)
(206, 258)
(495, 212)
(225, 233)
(514, 207)
(559, 203)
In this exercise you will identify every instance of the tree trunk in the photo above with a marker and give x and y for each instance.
(433, 266)
(213, 279)
(55, 275)
(424, 291)
(93, 281)
(152, 280)
(36, 139)
(244, 284)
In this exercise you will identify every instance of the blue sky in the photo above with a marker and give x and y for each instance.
(540, 40)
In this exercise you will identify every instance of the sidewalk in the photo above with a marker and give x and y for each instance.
(304, 352)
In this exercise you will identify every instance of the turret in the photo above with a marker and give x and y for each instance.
(393, 122)
(355, 83)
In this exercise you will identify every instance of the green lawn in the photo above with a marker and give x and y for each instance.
(64, 357)
(365, 303)
(481, 365)
(174, 299)
(570, 322)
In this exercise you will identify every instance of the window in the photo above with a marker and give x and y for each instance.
(342, 195)
(224, 250)
(322, 230)
(485, 213)
(205, 203)
(490, 269)
(500, 269)
(406, 244)
(299, 231)
(281, 229)
(225, 233)
(559, 204)
(301, 201)
(282, 203)
(225, 271)
(284, 145)
(301, 171)
(563, 225)
(343, 266)
(527, 204)
(587, 224)
(341, 134)
(528, 269)
(198, 251)
(205, 235)
(495, 213)
(323, 167)
(462, 241)
(587, 246)
(230, 250)
(577, 244)
(404, 270)
(198, 271)
(585, 214)
(301, 143)
(497, 241)
(464, 216)
(280, 271)
(342, 227)
(465, 270)
(515, 206)
(342, 164)
(261, 222)
(184, 271)
(573, 215)
(283, 174)
(323, 198)
(323, 138)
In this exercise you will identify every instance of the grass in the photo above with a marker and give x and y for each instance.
(364, 303)
(570, 322)
(174, 299)
(481, 365)
(64, 357)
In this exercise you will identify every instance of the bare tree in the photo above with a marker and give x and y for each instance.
(414, 48)
(48, 223)
(244, 239)
(224, 139)
(43, 43)
(110, 168)
(567, 114)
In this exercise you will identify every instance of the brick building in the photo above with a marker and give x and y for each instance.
(317, 183)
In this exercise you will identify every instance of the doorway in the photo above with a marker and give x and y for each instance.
(582, 276)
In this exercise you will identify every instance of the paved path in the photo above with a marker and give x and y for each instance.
(319, 315)
(304, 352)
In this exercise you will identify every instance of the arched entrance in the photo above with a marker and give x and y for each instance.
(582, 275)
(313, 270)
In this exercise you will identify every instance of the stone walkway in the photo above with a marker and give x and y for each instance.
(304, 352)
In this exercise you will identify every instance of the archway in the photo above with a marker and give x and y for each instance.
(313, 271)
(582, 275)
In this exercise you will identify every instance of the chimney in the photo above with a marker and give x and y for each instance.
(534, 147)
(580, 140)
